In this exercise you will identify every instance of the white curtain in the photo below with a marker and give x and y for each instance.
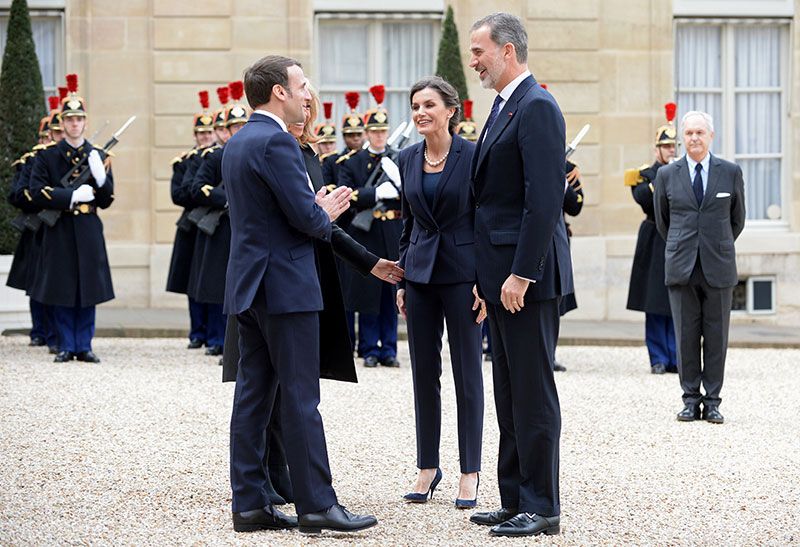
(758, 114)
(698, 53)
(46, 37)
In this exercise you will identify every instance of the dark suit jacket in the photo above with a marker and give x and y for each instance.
(518, 180)
(708, 230)
(273, 221)
(438, 244)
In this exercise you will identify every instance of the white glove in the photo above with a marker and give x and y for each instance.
(386, 191)
(392, 171)
(82, 194)
(97, 168)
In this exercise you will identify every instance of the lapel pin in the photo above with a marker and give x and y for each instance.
(510, 114)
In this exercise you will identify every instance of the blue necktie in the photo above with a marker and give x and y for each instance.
(697, 184)
(493, 114)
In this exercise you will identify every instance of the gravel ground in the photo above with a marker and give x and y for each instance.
(135, 451)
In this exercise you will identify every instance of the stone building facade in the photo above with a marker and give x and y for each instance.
(610, 63)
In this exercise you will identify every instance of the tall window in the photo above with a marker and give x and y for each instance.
(354, 53)
(737, 71)
(48, 36)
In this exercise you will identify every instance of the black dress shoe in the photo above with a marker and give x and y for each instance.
(195, 344)
(689, 413)
(87, 357)
(336, 518)
(558, 367)
(712, 415)
(391, 362)
(268, 518)
(528, 524)
(658, 368)
(37, 341)
(52, 350)
(370, 361)
(672, 369)
(492, 518)
(64, 356)
(214, 350)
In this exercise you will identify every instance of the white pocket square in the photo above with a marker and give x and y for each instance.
(723, 195)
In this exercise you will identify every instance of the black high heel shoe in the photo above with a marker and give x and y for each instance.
(469, 504)
(416, 497)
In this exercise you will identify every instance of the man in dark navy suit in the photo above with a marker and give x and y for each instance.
(273, 288)
(523, 268)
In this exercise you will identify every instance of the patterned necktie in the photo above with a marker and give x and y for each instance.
(697, 184)
(493, 114)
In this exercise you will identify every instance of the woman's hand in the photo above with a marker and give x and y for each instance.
(479, 303)
(401, 302)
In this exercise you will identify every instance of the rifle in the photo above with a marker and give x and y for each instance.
(51, 216)
(576, 141)
(363, 219)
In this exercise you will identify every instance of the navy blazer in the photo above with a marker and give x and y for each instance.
(518, 181)
(438, 243)
(273, 221)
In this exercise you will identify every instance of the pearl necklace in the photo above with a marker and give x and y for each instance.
(436, 163)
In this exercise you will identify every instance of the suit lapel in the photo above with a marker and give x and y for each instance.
(449, 166)
(686, 180)
(503, 119)
(417, 168)
(713, 179)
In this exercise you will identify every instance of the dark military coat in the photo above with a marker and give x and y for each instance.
(647, 291)
(207, 190)
(572, 206)
(19, 197)
(72, 268)
(195, 162)
(383, 239)
(185, 233)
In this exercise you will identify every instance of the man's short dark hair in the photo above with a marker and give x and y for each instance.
(505, 28)
(263, 75)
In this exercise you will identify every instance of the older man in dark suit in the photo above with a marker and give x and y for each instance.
(699, 211)
(273, 288)
(524, 268)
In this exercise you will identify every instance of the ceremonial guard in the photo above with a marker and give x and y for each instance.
(326, 134)
(467, 128)
(186, 232)
(208, 191)
(377, 225)
(27, 250)
(72, 274)
(647, 291)
(353, 135)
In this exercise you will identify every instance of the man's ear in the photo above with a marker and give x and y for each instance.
(279, 92)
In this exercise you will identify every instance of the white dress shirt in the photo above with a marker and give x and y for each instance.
(703, 173)
(273, 116)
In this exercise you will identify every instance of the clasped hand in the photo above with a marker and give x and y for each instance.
(334, 203)
(512, 293)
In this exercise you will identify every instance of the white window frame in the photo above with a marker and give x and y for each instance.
(752, 279)
(728, 90)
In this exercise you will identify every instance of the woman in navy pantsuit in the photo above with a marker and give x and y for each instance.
(437, 251)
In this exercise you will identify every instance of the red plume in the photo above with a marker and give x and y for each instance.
(72, 83)
(53, 101)
(328, 107)
(62, 93)
(203, 99)
(352, 98)
(670, 109)
(222, 93)
(237, 90)
(467, 109)
(544, 86)
(378, 93)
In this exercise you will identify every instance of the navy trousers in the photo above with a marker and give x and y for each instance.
(198, 317)
(75, 327)
(275, 349)
(42, 323)
(378, 333)
(659, 335)
(528, 411)
(428, 307)
(215, 325)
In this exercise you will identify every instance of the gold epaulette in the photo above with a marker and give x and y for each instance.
(323, 157)
(634, 176)
(210, 149)
(191, 153)
(346, 156)
(40, 147)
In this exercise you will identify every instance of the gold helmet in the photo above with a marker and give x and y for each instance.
(666, 134)
(237, 113)
(220, 115)
(72, 104)
(377, 118)
(203, 121)
(352, 122)
(467, 128)
(326, 131)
